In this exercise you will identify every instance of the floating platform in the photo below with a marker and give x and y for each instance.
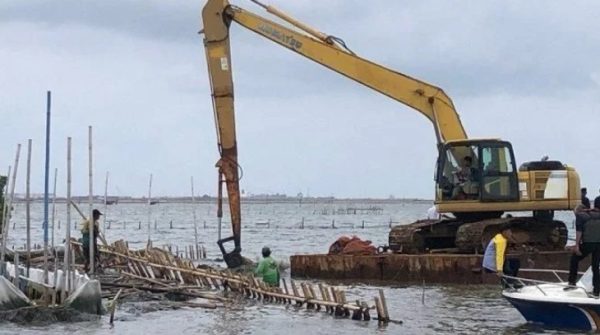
(411, 269)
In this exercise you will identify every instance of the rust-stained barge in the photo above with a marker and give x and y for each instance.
(445, 251)
(407, 269)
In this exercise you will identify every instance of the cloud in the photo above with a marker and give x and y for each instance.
(135, 70)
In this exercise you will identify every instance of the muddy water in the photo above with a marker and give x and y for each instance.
(423, 310)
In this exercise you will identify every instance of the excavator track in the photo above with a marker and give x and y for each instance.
(451, 235)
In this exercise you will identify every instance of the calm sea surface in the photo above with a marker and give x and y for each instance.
(423, 310)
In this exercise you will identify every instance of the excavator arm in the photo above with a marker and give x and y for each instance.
(329, 51)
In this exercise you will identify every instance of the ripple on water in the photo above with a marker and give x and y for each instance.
(446, 310)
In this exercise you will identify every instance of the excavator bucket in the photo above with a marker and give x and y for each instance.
(233, 258)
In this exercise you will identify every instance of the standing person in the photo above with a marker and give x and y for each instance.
(268, 269)
(587, 241)
(85, 238)
(597, 203)
(433, 214)
(494, 259)
(584, 199)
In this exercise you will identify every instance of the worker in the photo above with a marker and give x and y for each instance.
(494, 258)
(587, 241)
(584, 199)
(85, 238)
(433, 214)
(268, 269)
(597, 203)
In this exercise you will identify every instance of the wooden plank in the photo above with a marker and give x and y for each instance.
(384, 308)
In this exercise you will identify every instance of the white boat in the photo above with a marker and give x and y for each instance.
(549, 304)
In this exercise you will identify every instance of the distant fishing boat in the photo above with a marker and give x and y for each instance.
(154, 202)
(549, 304)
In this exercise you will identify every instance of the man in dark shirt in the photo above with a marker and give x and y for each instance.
(587, 241)
(597, 203)
(584, 199)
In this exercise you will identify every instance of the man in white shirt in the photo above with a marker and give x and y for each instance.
(432, 213)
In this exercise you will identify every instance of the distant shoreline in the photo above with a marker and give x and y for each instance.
(208, 199)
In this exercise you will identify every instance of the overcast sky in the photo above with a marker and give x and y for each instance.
(527, 72)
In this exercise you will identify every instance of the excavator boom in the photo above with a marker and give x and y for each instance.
(488, 184)
(429, 100)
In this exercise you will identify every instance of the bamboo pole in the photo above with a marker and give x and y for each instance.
(28, 206)
(91, 223)
(55, 278)
(105, 205)
(384, 309)
(46, 187)
(149, 211)
(67, 256)
(46, 193)
(113, 306)
(9, 208)
(54, 205)
(4, 208)
(379, 310)
(194, 217)
(16, 264)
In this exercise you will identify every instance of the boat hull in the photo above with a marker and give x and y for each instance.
(559, 314)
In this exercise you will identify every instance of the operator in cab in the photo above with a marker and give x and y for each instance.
(466, 179)
(494, 259)
(267, 269)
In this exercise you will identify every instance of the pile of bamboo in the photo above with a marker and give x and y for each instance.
(164, 272)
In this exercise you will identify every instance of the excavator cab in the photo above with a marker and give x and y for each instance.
(476, 170)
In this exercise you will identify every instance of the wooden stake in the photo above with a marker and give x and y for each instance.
(113, 306)
(46, 186)
(67, 262)
(105, 205)
(380, 316)
(54, 205)
(384, 309)
(28, 206)
(16, 263)
(149, 209)
(194, 217)
(9, 207)
(91, 222)
(5, 207)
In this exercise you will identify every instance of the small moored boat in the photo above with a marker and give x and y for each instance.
(556, 304)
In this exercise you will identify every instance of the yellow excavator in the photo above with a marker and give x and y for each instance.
(477, 180)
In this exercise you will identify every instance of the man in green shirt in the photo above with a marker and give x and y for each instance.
(268, 269)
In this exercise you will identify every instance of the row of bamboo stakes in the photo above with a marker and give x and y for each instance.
(155, 265)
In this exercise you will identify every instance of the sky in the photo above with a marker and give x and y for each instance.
(527, 72)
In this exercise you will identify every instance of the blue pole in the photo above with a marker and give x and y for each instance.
(46, 179)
